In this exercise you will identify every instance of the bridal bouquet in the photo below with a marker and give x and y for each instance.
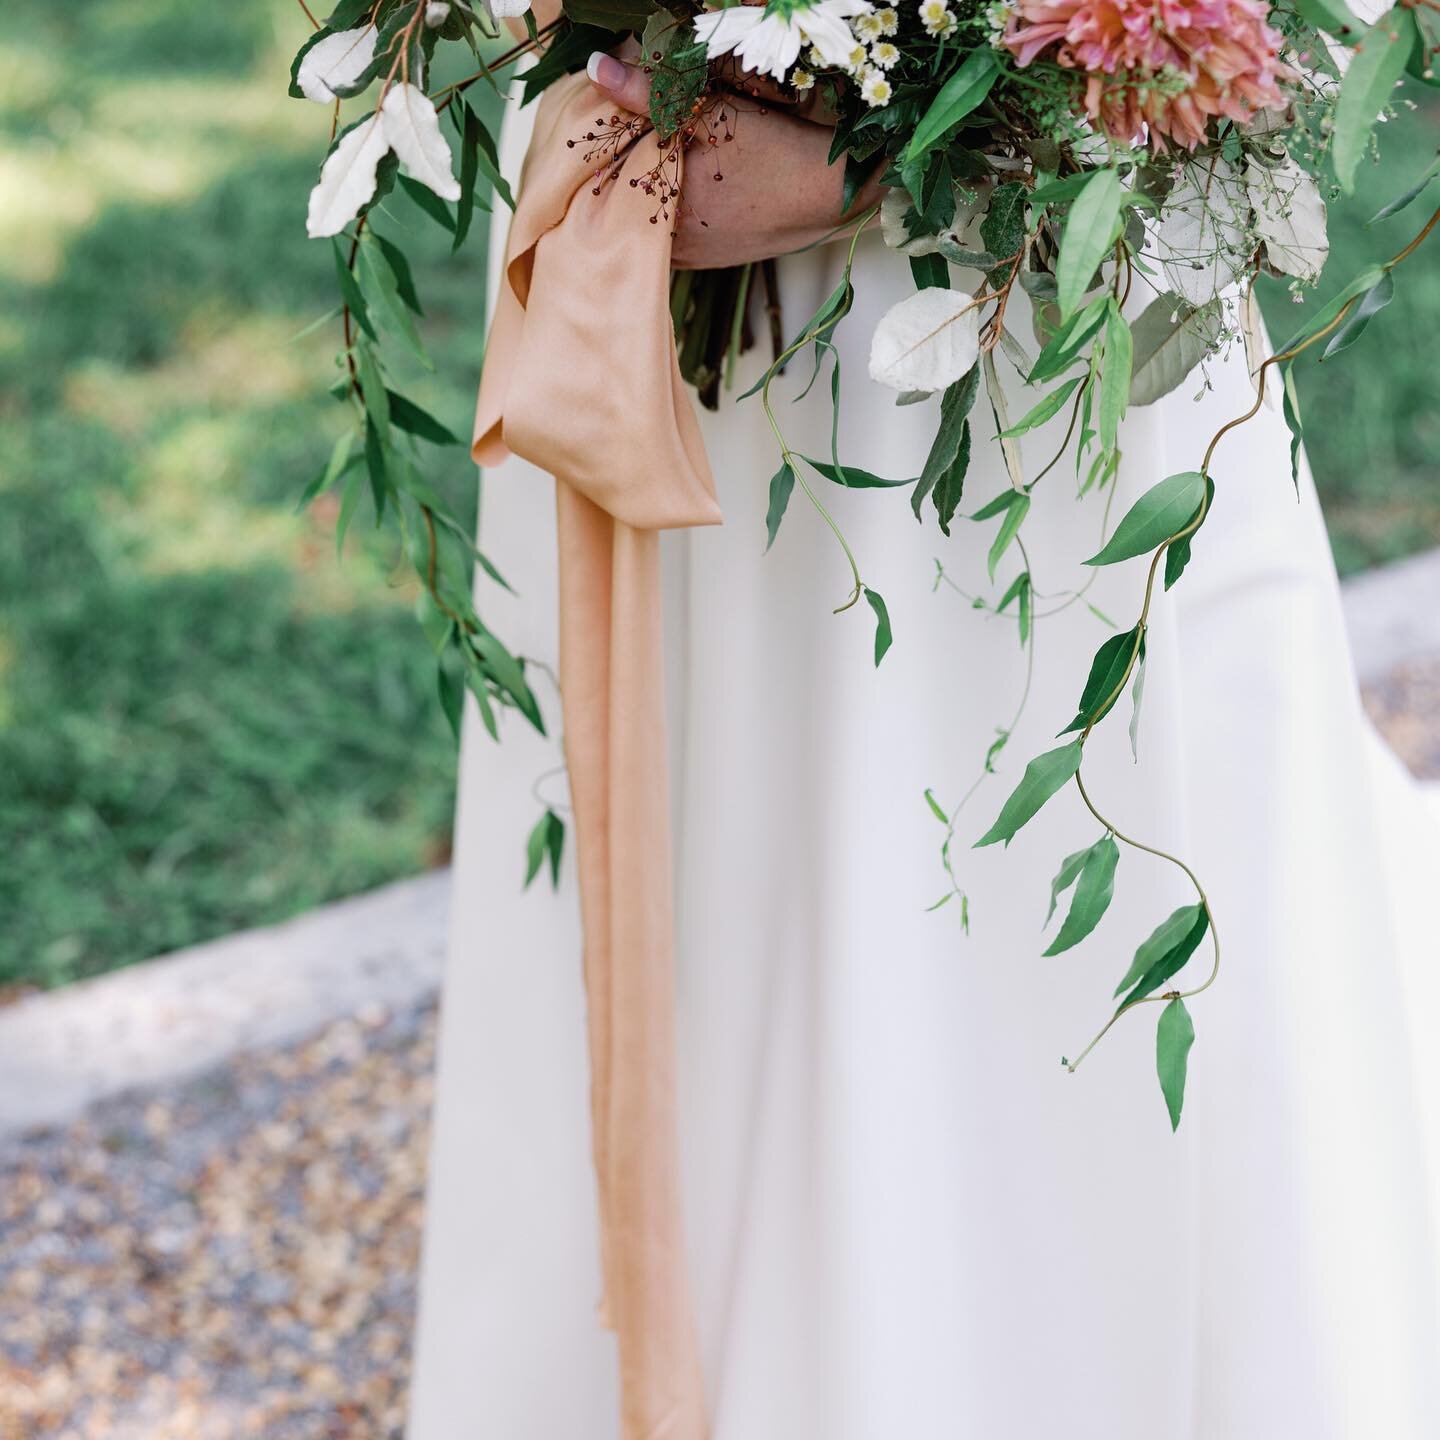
(1130, 165)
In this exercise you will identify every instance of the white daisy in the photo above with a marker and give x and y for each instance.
(855, 61)
(884, 55)
(935, 16)
(889, 20)
(801, 80)
(875, 89)
(767, 41)
(867, 27)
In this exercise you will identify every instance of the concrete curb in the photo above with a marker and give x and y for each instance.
(184, 1013)
(1393, 615)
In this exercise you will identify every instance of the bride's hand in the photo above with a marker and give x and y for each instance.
(778, 193)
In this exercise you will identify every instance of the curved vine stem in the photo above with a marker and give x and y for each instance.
(787, 455)
(1102, 710)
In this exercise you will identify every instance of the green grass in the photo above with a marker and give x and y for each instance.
(206, 723)
(1372, 414)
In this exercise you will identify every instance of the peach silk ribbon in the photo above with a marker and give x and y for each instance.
(581, 379)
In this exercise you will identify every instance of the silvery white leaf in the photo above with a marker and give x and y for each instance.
(338, 59)
(347, 179)
(413, 130)
(1171, 338)
(1201, 236)
(507, 9)
(927, 341)
(1289, 218)
(893, 210)
(437, 12)
(963, 233)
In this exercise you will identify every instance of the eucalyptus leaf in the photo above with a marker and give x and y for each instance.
(1409, 197)
(1108, 671)
(1171, 338)
(853, 477)
(955, 406)
(1015, 514)
(408, 416)
(1044, 775)
(1174, 1035)
(782, 483)
(1162, 511)
(1370, 304)
(1093, 893)
(883, 635)
(1177, 555)
(1173, 942)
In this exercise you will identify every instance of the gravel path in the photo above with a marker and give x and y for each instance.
(234, 1258)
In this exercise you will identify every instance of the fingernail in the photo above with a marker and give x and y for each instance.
(605, 71)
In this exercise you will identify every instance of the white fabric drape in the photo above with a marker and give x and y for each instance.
(904, 1217)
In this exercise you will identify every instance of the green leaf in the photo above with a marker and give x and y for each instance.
(535, 848)
(1174, 1036)
(1410, 196)
(1371, 303)
(1108, 671)
(429, 202)
(930, 272)
(372, 389)
(452, 696)
(567, 51)
(1116, 375)
(960, 95)
(383, 294)
(782, 482)
(853, 477)
(1365, 280)
(349, 500)
(1162, 511)
(350, 292)
(1292, 419)
(1174, 941)
(1065, 345)
(1044, 775)
(1065, 877)
(1332, 15)
(469, 169)
(935, 809)
(509, 674)
(340, 458)
(1049, 407)
(1375, 68)
(883, 637)
(1093, 894)
(1015, 514)
(614, 15)
(679, 69)
(411, 418)
(375, 467)
(1019, 589)
(1177, 555)
(400, 268)
(1003, 228)
(950, 487)
(1090, 231)
(487, 156)
(955, 406)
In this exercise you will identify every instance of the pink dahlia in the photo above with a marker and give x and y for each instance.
(1158, 68)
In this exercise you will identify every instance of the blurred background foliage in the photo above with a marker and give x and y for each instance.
(206, 722)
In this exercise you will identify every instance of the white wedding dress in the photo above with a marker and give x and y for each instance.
(906, 1220)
